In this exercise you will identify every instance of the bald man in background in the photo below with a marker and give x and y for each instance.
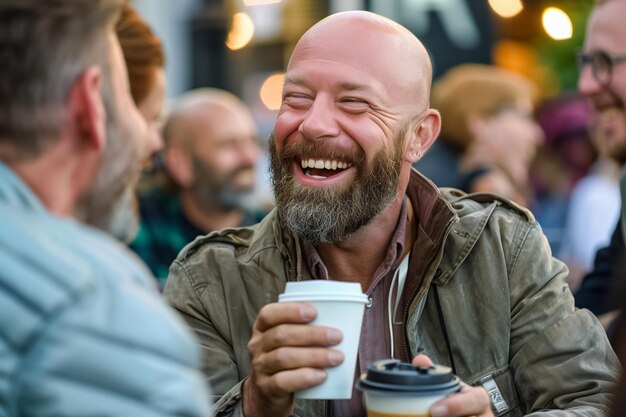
(210, 156)
(482, 293)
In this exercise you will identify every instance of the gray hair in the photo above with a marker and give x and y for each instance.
(44, 46)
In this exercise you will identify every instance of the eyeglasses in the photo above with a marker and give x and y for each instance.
(602, 64)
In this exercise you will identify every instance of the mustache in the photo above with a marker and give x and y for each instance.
(320, 150)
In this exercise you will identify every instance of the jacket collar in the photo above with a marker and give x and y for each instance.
(450, 220)
(448, 225)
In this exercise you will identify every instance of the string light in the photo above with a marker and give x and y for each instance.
(506, 8)
(271, 91)
(557, 23)
(241, 32)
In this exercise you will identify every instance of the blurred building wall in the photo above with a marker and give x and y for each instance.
(170, 20)
(453, 31)
(337, 6)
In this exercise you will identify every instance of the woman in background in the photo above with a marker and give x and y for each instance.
(145, 61)
(487, 119)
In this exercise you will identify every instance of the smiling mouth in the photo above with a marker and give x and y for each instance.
(323, 168)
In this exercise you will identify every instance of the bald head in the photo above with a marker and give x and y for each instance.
(369, 41)
(204, 111)
(211, 148)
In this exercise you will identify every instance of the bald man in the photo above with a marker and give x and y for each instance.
(210, 154)
(482, 293)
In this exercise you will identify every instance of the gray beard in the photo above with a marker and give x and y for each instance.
(213, 191)
(123, 223)
(109, 207)
(110, 203)
(223, 197)
(329, 215)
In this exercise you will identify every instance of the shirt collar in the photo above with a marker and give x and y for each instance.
(396, 248)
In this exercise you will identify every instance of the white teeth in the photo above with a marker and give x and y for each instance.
(324, 164)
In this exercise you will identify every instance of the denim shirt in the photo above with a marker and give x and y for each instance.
(83, 331)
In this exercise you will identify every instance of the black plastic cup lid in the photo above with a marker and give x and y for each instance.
(392, 376)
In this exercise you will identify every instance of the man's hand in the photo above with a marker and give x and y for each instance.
(471, 401)
(287, 355)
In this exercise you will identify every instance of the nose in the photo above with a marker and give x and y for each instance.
(319, 121)
(587, 83)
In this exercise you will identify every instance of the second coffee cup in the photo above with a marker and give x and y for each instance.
(395, 389)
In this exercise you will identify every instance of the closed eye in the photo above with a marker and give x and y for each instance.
(297, 100)
(354, 104)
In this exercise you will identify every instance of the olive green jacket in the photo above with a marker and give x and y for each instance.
(483, 294)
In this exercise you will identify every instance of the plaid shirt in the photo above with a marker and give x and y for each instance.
(165, 230)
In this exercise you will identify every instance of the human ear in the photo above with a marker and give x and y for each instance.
(86, 108)
(178, 164)
(423, 134)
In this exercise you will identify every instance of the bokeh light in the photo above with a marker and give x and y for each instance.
(241, 32)
(506, 8)
(271, 91)
(557, 23)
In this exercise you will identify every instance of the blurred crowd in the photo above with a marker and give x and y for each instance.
(91, 150)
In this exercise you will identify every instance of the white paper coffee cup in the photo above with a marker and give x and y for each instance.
(339, 305)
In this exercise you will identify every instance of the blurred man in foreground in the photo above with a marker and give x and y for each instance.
(82, 331)
(210, 155)
(481, 293)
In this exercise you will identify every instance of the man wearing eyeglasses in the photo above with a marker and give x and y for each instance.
(603, 81)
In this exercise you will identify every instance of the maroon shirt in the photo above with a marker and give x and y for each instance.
(375, 335)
